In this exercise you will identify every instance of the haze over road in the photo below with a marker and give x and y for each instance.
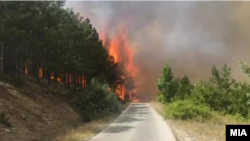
(139, 122)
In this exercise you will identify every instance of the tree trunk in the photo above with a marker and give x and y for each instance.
(22, 71)
(1, 57)
(85, 83)
(55, 76)
(77, 80)
(81, 81)
(49, 77)
(68, 80)
(64, 77)
(34, 69)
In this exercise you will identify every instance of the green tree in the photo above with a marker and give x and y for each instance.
(166, 84)
(184, 88)
(244, 67)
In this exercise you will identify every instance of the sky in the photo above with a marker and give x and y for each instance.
(193, 36)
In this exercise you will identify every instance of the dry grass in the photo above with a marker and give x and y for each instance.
(86, 131)
(211, 130)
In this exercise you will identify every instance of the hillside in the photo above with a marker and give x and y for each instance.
(35, 113)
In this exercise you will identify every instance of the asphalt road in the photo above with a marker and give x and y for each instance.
(139, 122)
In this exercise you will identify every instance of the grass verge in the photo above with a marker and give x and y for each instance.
(192, 130)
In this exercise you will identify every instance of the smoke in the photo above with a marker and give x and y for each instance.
(192, 35)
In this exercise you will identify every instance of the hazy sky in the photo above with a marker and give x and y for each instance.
(193, 35)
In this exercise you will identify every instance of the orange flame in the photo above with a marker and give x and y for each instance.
(119, 47)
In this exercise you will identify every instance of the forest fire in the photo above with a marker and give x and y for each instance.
(118, 46)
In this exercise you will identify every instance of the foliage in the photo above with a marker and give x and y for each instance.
(221, 93)
(217, 93)
(166, 84)
(4, 119)
(41, 39)
(245, 68)
(96, 99)
(187, 109)
(184, 88)
(43, 34)
(241, 100)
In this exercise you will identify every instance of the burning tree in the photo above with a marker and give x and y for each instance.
(129, 85)
(117, 43)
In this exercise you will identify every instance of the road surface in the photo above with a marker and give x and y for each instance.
(139, 122)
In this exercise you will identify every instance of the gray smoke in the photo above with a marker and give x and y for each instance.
(192, 35)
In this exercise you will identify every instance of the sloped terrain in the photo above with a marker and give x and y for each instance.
(36, 113)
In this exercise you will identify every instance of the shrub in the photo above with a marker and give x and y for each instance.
(112, 103)
(221, 93)
(216, 98)
(4, 119)
(161, 98)
(241, 100)
(187, 109)
(96, 99)
(218, 92)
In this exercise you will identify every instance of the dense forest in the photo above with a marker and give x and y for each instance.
(44, 40)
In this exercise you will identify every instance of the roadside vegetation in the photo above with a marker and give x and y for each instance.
(204, 107)
(45, 46)
(97, 100)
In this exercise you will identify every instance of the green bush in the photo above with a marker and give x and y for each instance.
(112, 103)
(221, 93)
(241, 100)
(96, 99)
(214, 97)
(161, 98)
(4, 119)
(187, 109)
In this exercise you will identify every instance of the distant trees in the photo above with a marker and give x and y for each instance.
(43, 40)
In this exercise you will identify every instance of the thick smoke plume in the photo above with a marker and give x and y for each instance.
(192, 35)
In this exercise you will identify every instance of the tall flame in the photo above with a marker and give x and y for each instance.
(118, 46)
